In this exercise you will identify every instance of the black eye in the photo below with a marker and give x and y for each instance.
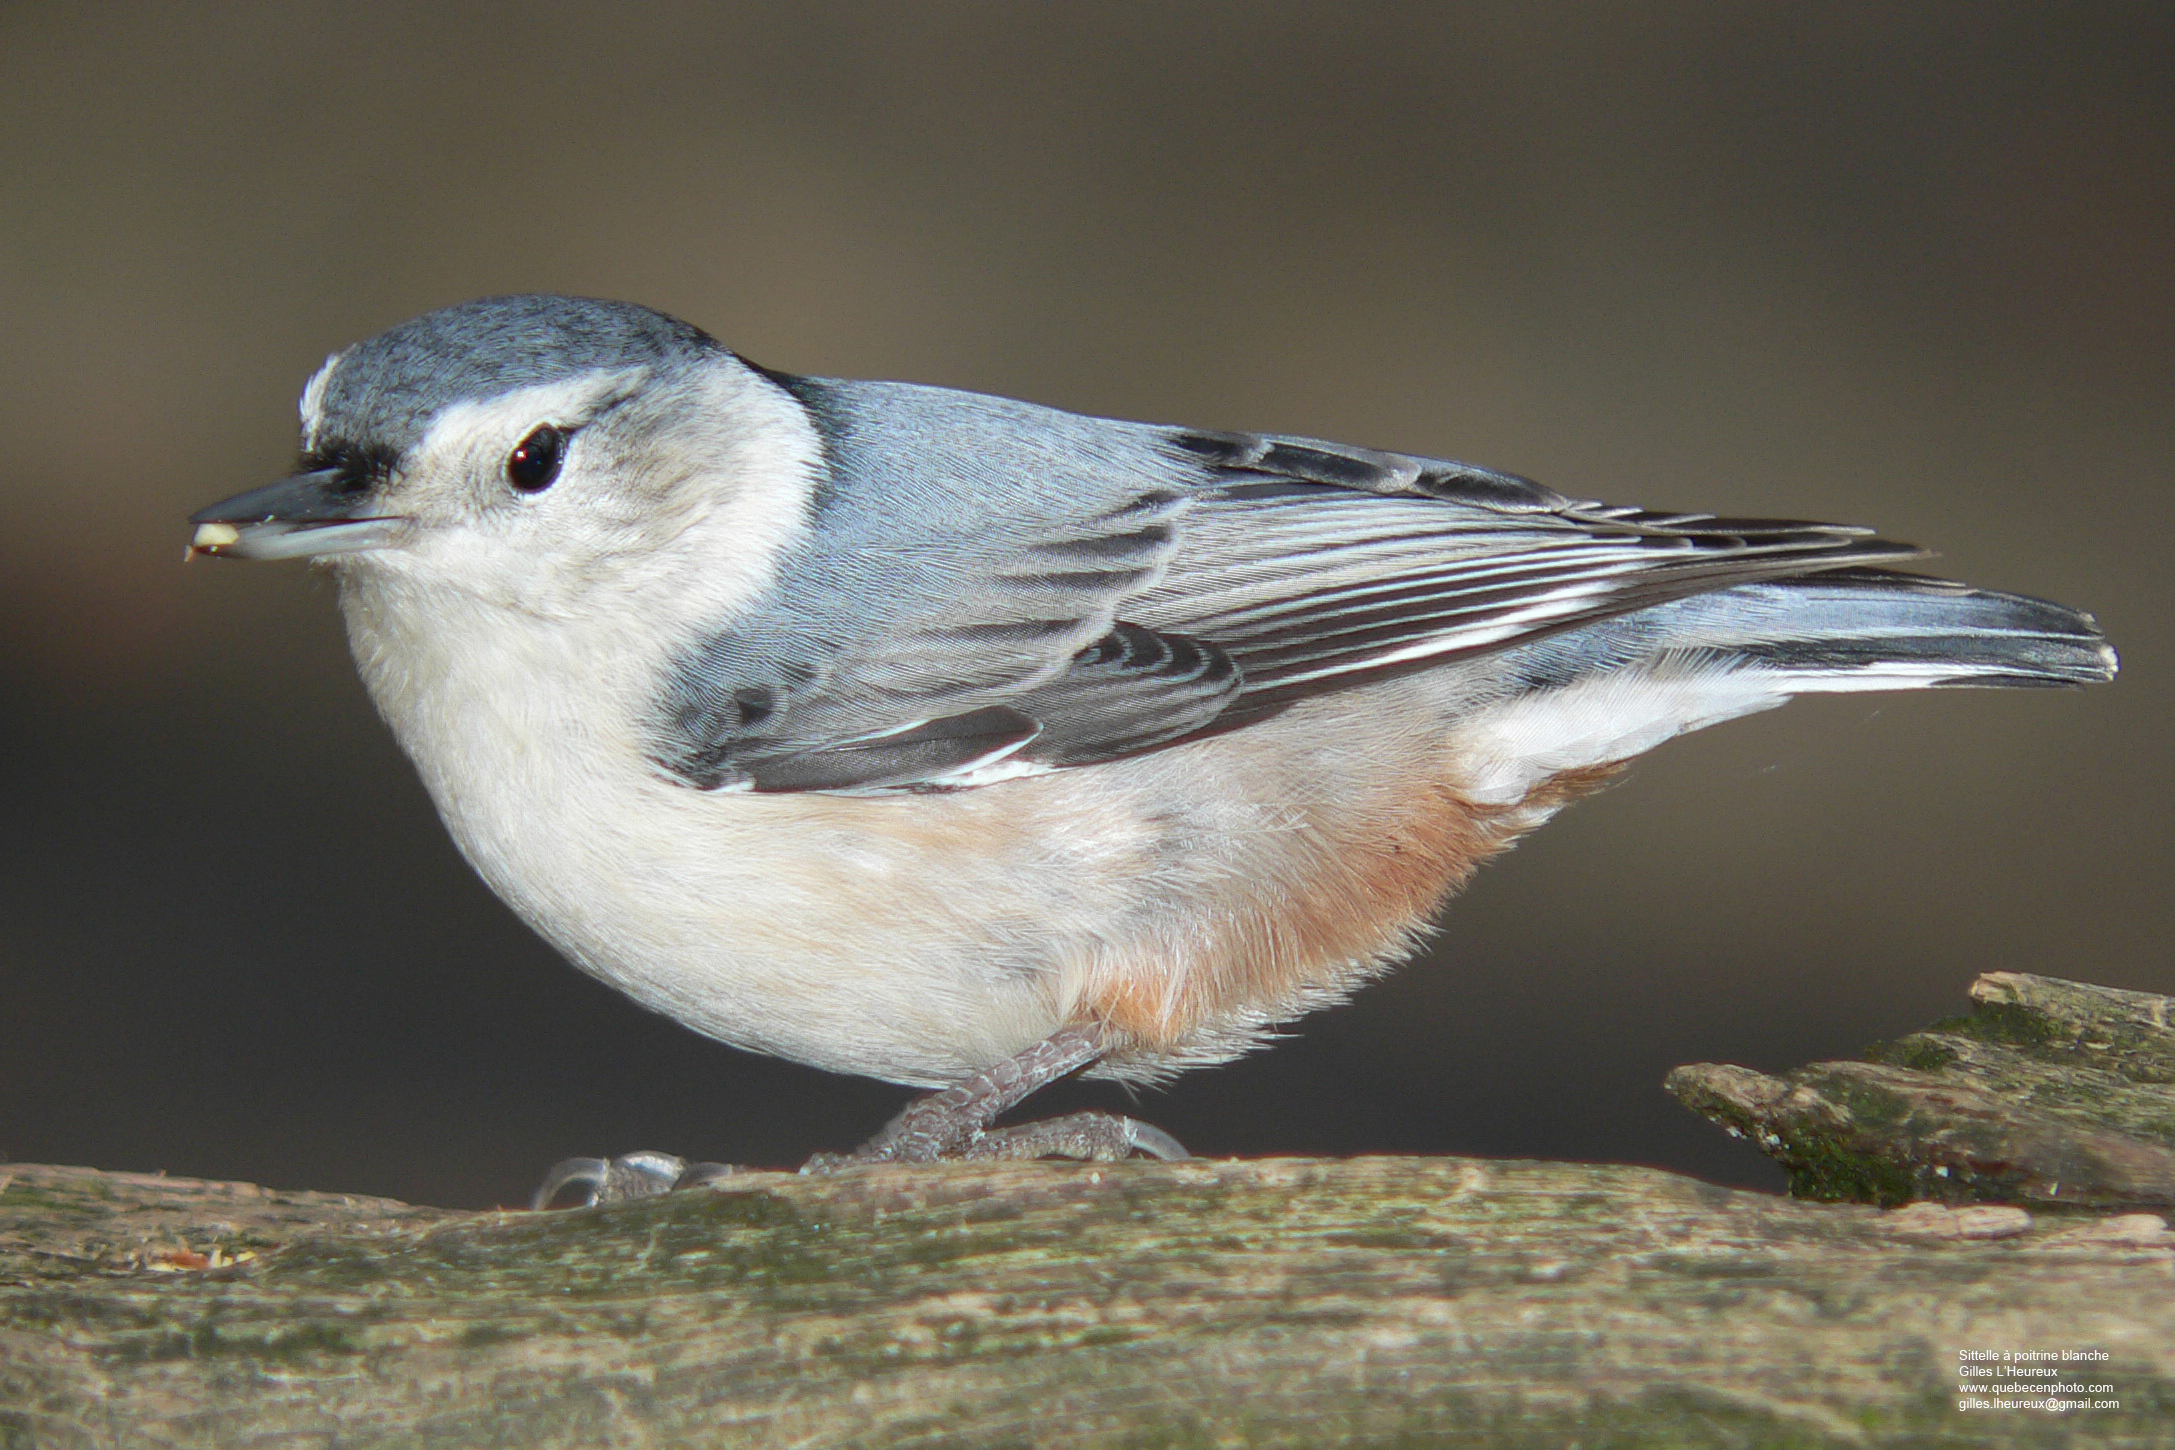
(533, 466)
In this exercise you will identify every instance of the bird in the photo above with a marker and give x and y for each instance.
(967, 743)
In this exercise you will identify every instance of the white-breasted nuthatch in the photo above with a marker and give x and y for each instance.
(967, 743)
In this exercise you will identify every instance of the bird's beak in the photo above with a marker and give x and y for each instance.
(309, 515)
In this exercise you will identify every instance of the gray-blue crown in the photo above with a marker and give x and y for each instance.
(385, 391)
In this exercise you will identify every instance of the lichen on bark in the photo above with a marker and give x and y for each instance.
(2048, 1093)
(1279, 1302)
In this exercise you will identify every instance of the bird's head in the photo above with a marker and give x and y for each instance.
(530, 451)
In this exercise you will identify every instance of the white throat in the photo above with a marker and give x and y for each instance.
(465, 667)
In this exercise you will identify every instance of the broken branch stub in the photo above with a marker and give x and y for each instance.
(2048, 1093)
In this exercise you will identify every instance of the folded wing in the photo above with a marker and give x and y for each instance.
(999, 590)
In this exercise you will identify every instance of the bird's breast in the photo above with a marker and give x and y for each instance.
(1188, 898)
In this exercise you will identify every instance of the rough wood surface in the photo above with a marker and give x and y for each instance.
(2048, 1093)
(1279, 1302)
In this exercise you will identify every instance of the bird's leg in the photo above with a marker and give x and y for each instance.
(954, 1123)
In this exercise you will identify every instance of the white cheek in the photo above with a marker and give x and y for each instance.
(736, 521)
(692, 540)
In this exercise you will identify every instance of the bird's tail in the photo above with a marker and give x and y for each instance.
(1602, 694)
(1873, 629)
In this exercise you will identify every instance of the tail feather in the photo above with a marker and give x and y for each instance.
(1605, 693)
(1901, 629)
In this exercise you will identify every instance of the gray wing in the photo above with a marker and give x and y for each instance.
(993, 588)
(955, 604)
(1317, 567)
(1014, 648)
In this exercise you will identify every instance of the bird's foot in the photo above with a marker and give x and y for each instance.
(631, 1175)
(952, 1124)
(1092, 1137)
(955, 1123)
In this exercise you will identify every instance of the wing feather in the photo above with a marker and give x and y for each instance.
(1003, 589)
(1317, 567)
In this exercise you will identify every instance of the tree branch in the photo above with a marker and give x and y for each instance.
(2048, 1093)
(1278, 1302)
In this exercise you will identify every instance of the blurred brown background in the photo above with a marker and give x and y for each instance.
(1905, 265)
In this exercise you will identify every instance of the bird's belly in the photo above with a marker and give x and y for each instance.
(856, 935)
(1188, 899)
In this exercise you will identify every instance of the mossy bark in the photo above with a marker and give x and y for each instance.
(2049, 1093)
(1279, 1302)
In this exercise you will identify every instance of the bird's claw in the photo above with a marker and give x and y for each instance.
(950, 1124)
(642, 1174)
